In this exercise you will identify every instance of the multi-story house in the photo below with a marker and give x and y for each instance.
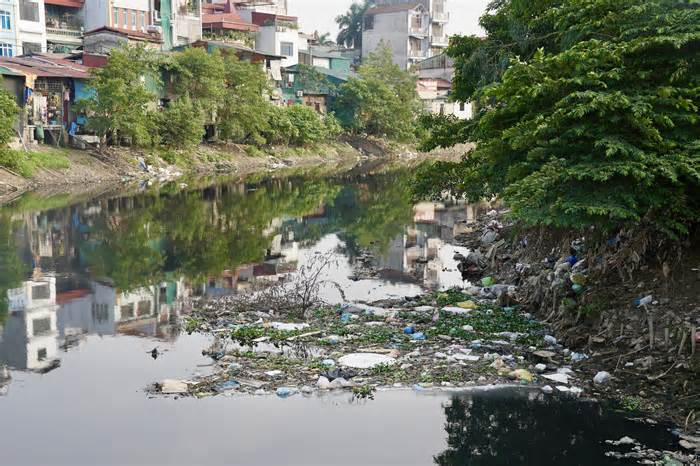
(64, 25)
(167, 22)
(404, 27)
(277, 34)
(9, 28)
(31, 27)
(439, 17)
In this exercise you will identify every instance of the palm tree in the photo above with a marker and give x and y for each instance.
(350, 24)
(324, 39)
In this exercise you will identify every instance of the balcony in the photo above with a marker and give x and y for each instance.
(439, 41)
(64, 28)
(415, 54)
(440, 17)
(418, 32)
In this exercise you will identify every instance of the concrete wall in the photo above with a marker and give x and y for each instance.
(392, 28)
(269, 40)
(96, 14)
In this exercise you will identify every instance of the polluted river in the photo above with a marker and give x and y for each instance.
(296, 319)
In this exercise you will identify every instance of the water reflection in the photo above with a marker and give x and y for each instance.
(124, 264)
(518, 426)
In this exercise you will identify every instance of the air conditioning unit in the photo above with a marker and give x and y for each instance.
(300, 93)
(152, 28)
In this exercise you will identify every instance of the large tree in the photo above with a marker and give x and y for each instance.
(350, 24)
(382, 100)
(122, 107)
(600, 127)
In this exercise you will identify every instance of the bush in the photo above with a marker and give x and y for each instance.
(181, 124)
(308, 125)
(8, 113)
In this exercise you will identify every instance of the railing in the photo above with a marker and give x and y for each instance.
(440, 17)
(420, 31)
(75, 33)
(417, 54)
(440, 41)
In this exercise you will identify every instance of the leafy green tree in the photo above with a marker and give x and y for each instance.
(181, 124)
(8, 113)
(350, 24)
(604, 129)
(309, 126)
(382, 100)
(122, 107)
(199, 75)
(243, 115)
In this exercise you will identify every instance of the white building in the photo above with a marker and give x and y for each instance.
(404, 27)
(29, 336)
(439, 17)
(22, 27)
(434, 87)
(9, 28)
(277, 34)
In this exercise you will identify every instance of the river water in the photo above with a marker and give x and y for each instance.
(89, 287)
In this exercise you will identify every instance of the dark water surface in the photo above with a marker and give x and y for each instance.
(88, 288)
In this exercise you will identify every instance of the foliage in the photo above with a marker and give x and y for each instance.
(246, 38)
(199, 75)
(8, 113)
(310, 128)
(244, 109)
(382, 101)
(121, 107)
(27, 163)
(603, 130)
(181, 124)
(350, 24)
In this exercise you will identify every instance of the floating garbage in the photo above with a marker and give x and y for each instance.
(418, 336)
(365, 360)
(173, 387)
(487, 281)
(288, 326)
(286, 392)
(409, 330)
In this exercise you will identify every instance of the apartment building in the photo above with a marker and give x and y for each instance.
(22, 27)
(404, 27)
(439, 17)
(64, 25)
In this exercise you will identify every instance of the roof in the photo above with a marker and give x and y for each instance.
(377, 10)
(340, 75)
(232, 45)
(8, 72)
(135, 35)
(45, 66)
(324, 52)
(66, 3)
(261, 18)
(225, 16)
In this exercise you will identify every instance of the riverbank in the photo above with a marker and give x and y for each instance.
(91, 172)
(627, 305)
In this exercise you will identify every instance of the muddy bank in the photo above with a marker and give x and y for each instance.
(97, 172)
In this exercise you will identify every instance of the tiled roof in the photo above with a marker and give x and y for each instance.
(137, 35)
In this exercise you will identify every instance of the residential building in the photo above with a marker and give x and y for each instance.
(314, 91)
(404, 27)
(9, 28)
(439, 17)
(277, 34)
(434, 87)
(64, 25)
(277, 7)
(51, 86)
(31, 27)
(221, 21)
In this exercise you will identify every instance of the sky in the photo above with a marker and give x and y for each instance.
(319, 15)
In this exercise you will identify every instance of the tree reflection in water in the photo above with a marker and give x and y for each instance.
(526, 427)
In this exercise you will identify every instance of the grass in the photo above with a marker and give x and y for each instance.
(500, 320)
(245, 335)
(27, 163)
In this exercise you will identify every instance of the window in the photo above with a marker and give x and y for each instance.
(41, 326)
(127, 311)
(28, 11)
(369, 23)
(6, 50)
(115, 17)
(133, 20)
(287, 49)
(41, 291)
(31, 47)
(5, 20)
(142, 20)
(144, 308)
(461, 106)
(41, 354)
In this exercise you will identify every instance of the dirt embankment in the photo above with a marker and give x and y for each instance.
(629, 303)
(101, 171)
